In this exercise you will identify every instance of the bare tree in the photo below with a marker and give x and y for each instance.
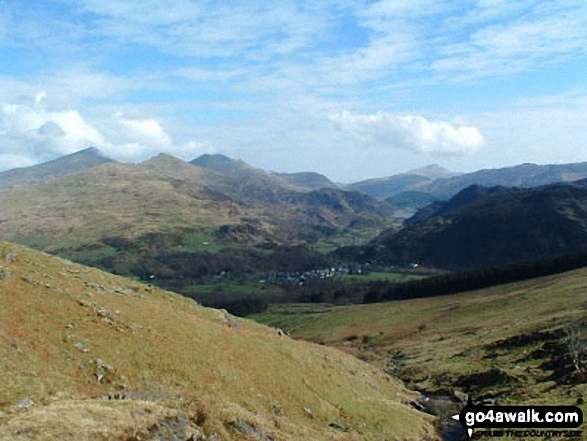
(577, 346)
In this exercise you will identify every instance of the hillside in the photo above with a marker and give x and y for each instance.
(88, 355)
(508, 344)
(109, 200)
(182, 225)
(524, 176)
(248, 183)
(165, 194)
(411, 199)
(226, 166)
(482, 227)
(73, 163)
(414, 188)
(382, 188)
(176, 168)
(309, 180)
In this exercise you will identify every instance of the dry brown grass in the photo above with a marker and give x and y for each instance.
(444, 338)
(132, 200)
(64, 325)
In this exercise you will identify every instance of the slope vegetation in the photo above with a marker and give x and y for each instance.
(165, 194)
(87, 355)
(513, 344)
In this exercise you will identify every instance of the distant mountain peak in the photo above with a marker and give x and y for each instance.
(228, 166)
(220, 162)
(65, 165)
(432, 171)
(90, 152)
(216, 157)
(163, 158)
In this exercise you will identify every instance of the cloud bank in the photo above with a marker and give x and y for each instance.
(29, 134)
(409, 132)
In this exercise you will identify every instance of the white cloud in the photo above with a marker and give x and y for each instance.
(529, 34)
(409, 132)
(59, 132)
(209, 28)
(148, 132)
(29, 134)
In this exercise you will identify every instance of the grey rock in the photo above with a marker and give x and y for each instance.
(25, 403)
(252, 431)
(461, 396)
(106, 314)
(102, 370)
(81, 347)
(230, 320)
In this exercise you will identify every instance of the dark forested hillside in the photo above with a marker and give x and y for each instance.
(482, 227)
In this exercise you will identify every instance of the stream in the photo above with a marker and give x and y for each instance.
(444, 407)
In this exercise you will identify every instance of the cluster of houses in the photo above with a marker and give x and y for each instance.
(301, 277)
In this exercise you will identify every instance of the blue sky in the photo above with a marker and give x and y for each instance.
(352, 89)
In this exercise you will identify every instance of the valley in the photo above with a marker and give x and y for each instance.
(293, 220)
(487, 343)
(116, 359)
(438, 301)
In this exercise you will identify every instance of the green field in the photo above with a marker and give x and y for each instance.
(395, 277)
(225, 287)
(197, 242)
(347, 237)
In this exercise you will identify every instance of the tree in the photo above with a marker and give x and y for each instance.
(577, 346)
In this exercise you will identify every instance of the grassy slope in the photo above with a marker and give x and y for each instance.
(179, 363)
(108, 200)
(438, 340)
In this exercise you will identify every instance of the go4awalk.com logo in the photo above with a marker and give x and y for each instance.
(520, 421)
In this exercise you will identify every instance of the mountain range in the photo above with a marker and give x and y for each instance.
(417, 188)
(164, 192)
(181, 224)
(119, 216)
(481, 227)
(416, 179)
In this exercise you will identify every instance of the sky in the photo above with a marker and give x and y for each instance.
(352, 89)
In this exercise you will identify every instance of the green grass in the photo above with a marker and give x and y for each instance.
(225, 287)
(394, 277)
(346, 237)
(197, 242)
(89, 254)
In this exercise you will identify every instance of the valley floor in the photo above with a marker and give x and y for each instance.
(510, 344)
